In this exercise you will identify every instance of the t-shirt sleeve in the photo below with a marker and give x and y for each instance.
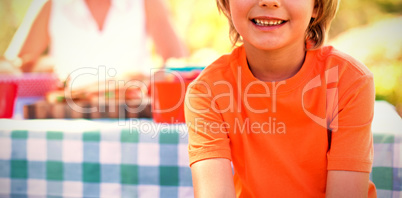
(352, 141)
(208, 137)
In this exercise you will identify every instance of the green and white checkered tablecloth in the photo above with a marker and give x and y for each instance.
(387, 166)
(61, 160)
(137, 158)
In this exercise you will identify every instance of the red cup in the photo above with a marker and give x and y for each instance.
(168, 93)
(8, 93)
(168, 102)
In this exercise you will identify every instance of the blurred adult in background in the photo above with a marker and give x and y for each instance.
(92, 33)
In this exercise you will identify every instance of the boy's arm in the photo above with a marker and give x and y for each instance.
(213, 178)
(347, 184)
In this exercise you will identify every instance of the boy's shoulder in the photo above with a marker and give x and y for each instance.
(351, 76)
(326, 57)
(330, 57)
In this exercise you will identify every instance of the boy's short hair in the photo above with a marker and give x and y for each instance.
(317, 29)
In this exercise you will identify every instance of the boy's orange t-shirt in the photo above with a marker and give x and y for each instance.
(283, 137)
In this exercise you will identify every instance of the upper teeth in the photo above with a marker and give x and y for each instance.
(268, 22)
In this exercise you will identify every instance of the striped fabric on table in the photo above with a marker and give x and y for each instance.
(110, 163)
(387, 167)
(145, 159)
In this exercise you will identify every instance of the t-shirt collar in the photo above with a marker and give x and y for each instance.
(247, 77)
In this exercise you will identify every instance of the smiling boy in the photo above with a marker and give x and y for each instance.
(319, 99)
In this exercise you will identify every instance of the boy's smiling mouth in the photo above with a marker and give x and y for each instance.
(268, 22)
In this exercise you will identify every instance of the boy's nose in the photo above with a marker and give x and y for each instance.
(269, 3)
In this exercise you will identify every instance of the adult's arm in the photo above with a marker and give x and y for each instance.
(37, 39)
(160, 28)
(213, 178)
(347, 184)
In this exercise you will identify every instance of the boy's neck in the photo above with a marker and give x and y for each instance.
(276, 65)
